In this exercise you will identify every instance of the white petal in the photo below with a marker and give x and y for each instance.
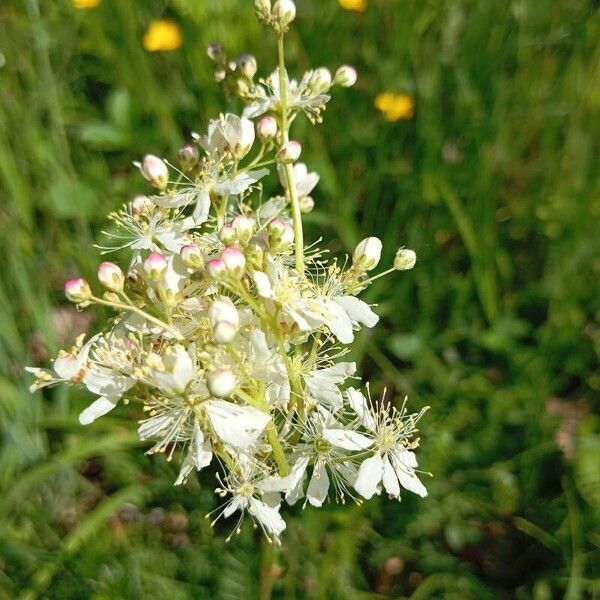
(238, 426)
(406, 474)
(202, 450)
(369, 476)
(236, 503)
(289, 482)
(202, 207)
(339, 323)
(154, 425)
(390, 479)
(66, 367)
(96, 409)
(263, 285)
(269, 517)
(319, 485)
(359, 405)
(107, 383)
(348, 440)
(357, 310)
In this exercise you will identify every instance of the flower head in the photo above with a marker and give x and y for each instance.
(395, 106)
(162, 35)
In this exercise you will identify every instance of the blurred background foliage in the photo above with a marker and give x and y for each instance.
(472, 137)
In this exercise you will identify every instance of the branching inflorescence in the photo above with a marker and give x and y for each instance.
(227, 331)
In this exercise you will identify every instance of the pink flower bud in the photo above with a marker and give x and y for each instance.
(367, 254)
(192, 256)
(244, 227)
(266, 129)
(155, 266)
(235, 262)
(188, 156)
(223, 309)
(290, 151)
(141, 205)
(111, 276)
(216, 268)
(155, 171)
(77, 290)
(345, 76)
(221, 383)
(227, 234)
(306, 204)
(281, 235)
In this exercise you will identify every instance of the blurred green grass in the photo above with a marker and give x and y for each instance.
(494, 183)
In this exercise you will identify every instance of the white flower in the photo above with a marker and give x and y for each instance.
(109, 385)
(322, 384)
(393, 464)
(68, 367)
(247, 495)
(229, 134)
(329, 445)
(300, 97)
(173, 371)
(237, 426)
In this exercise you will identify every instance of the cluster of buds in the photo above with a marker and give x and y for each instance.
(230, 333)
(237, 74)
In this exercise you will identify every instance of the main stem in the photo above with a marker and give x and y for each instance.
(288, 169)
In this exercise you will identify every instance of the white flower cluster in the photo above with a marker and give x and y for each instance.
(230, 334)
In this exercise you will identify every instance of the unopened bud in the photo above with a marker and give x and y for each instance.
(221, 383)
(111, 276)
(192, 256)
(367, 254)
(215, 52)
(306, 204)
(281, 235)
(188, 156)
(77, 290)
(320, 80)
(223, 309)
(255, 255)
(246, 65)
(263, 9)
(290, 151)
(155, 266)
(244, 227)
(155, 171)
(405, 259)
(266, 129)
(224, 320)
(141, 205)
(216, 268)
(345, 76)
(224, 332)
(284, 11)
(227, 234)
(235, 262)
(220, 74)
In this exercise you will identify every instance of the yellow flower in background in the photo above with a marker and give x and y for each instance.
(86, 3)
(162, 35)
(356, 5)
(395, 105)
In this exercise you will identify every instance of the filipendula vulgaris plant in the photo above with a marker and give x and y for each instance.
(229, 330)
